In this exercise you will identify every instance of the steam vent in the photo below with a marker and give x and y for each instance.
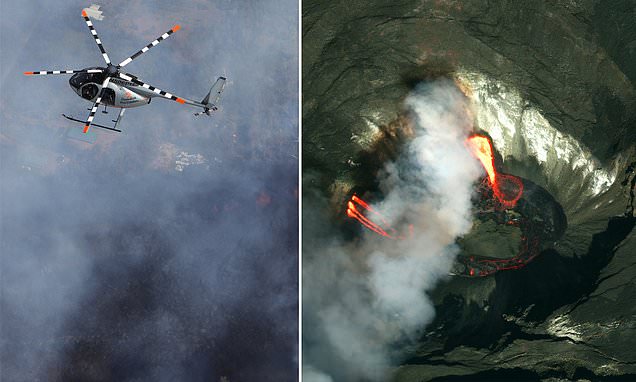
(543, 283)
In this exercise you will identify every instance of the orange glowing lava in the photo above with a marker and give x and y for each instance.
(506, 188)
(356, 209)
(353, 212)
(481, 148)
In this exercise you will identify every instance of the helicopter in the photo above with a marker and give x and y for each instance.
(110, 86)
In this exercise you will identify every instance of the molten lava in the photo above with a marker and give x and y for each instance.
(506, 188)
(353, 212)
(355, 209)
(482, 150)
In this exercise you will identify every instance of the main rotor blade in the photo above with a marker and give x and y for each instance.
(147, 47)
(133, 79)
(96, 105)
(94, 33)
(44, 72)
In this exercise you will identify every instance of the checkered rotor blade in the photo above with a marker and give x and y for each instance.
(45, 72)
(96, 105)
(147, 47)
(94, 33)
(135, 80)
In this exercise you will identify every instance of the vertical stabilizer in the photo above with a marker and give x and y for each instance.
(214, 95)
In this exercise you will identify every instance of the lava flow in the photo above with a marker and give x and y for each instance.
(355, 213)
(506, 188)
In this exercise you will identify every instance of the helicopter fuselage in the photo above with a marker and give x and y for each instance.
(118, 93)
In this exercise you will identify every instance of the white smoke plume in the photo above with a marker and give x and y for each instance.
(362, 300)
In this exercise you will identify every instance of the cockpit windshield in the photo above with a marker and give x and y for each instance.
(80, 79)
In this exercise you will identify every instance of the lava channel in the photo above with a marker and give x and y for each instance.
(506, 188)
(355, 209)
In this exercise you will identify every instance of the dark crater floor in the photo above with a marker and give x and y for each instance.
(509, 237)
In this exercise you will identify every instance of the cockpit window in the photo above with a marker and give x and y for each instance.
(89, 91)
(96, 77)
(76, 80)
(79, 79)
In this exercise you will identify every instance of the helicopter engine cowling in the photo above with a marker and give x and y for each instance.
(124, 97)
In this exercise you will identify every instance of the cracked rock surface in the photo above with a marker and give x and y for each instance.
(552, 83)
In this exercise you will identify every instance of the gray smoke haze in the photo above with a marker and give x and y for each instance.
(362, 298)
(114, 264)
